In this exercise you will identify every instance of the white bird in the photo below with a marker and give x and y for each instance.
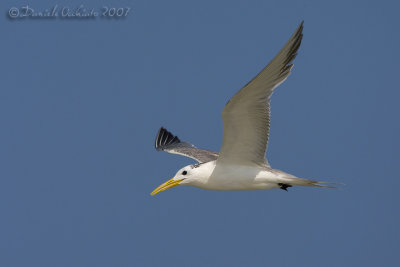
(241, 163)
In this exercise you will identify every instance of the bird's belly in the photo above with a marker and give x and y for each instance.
(237, 186)
(245, 178)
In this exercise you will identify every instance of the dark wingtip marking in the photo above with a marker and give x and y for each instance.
(165, 138)
(292, 53)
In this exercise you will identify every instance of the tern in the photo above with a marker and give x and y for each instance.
(241, 163)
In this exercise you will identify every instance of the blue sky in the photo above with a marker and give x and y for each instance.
(81, 101)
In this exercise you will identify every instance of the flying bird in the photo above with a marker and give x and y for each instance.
(241, 164)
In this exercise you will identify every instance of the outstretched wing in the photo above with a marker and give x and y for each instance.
(246, 117)
(166, 141)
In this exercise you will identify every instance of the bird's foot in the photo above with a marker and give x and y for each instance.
(284, 186)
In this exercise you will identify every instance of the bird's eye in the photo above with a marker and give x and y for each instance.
(184, 172)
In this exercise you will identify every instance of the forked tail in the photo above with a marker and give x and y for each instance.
(307, 182)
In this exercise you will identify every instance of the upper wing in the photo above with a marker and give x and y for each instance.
(246, 117)
(166, 141)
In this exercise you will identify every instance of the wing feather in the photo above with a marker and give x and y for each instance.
(166, 141)
(246, 117)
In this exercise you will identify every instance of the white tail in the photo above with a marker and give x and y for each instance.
(307, 182)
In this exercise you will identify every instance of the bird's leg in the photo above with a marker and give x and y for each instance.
(284, 186)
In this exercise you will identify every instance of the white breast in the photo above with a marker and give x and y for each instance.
(234, 177)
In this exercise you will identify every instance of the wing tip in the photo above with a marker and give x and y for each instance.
(165, 138)
(295, 42)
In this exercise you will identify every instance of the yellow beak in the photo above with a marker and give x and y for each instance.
(167, 185)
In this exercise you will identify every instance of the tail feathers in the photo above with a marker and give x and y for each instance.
(322, 184)
(307, 182)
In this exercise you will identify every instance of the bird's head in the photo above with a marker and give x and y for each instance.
(188, 175)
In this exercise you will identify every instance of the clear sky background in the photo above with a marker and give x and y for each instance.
(81, 102)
